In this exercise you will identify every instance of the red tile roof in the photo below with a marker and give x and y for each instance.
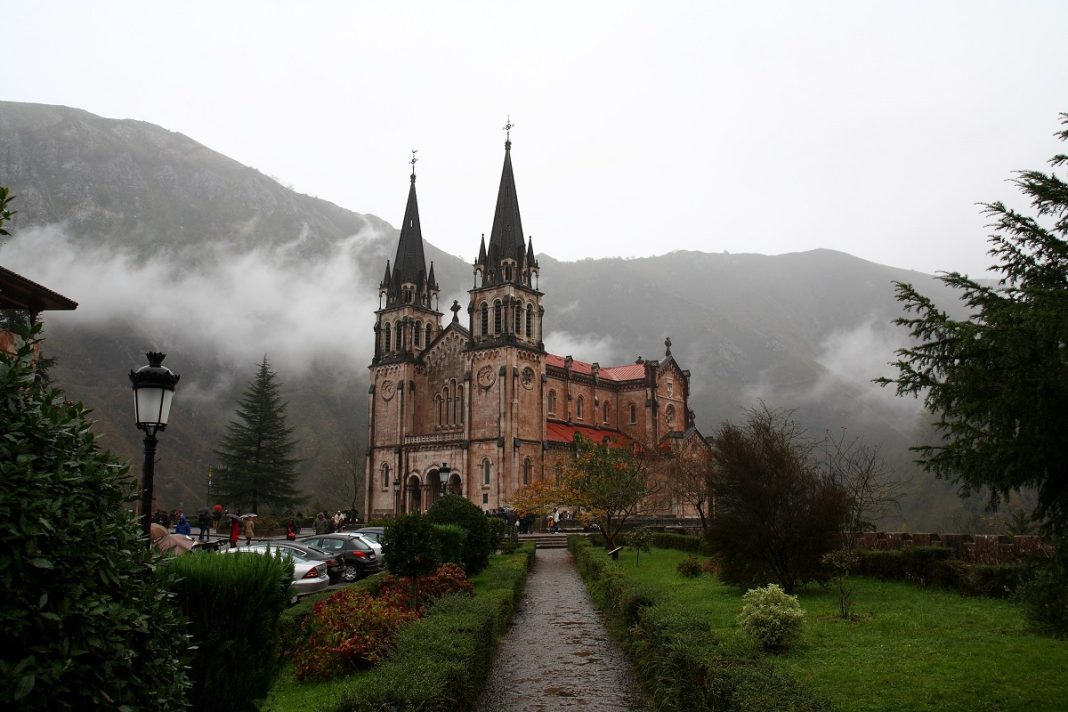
(564, 433)
(629, 372)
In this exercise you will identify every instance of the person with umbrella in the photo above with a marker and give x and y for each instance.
(235, 529)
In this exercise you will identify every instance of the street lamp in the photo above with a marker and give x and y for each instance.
(153, 393)
(396, 496)
(443, 473)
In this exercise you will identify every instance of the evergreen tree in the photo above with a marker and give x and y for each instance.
(258, 467)
(998, 380)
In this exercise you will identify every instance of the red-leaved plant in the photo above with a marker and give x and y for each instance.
(448, 578)
(347, 632)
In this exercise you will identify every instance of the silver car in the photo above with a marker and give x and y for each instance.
(309, 575)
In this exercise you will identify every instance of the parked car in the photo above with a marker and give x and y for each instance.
(334, 565)
(373, 543)
(358, 555)
(372, 533)
(309, 575)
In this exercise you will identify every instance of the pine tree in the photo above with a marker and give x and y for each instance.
(258, 466)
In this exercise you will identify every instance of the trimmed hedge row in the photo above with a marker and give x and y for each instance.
(440, 662)
(934, 566)
(679, 542)
(681, 663)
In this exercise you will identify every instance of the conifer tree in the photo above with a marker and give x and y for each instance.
(258, 466)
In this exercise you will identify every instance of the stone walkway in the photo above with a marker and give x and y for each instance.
(558, 654)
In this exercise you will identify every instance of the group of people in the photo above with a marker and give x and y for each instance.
(524, 521)
(327, 524)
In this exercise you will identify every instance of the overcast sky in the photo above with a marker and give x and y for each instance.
(640, 128)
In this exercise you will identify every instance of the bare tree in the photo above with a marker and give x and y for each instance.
(872, 488)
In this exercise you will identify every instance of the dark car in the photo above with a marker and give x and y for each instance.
(372, 533)
(334, 565)
(358, 557)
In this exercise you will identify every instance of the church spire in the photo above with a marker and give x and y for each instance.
(409, 267)
(506, 236)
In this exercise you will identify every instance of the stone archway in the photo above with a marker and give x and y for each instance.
(455, 486)
(413, 500)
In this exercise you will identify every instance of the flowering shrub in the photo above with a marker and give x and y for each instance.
(772, 616)
(448, 578)
(349, 631)
(689, 567)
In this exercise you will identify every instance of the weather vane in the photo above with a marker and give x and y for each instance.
(508, 129)
(414, 159)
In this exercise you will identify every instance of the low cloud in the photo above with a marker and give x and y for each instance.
(584, 347)
(300, 313)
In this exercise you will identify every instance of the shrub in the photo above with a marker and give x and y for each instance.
(679, 542)
(86, 624)
(1045, 593)
(711, 567)
(772, 617)
(454, 509)
(233, 602)
(410, 549)
(690, 567)
(349, 631)
(498, 531)
(841, 561)
(638, 540)
(450, 540)
(447, 579)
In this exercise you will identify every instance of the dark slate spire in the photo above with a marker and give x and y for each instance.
(410, 265)
(431, 283)
(506, 237)
(531, 261)
(386, 280)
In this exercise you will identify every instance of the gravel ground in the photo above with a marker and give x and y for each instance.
(558, 654)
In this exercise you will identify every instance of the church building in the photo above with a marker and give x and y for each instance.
(480, 400)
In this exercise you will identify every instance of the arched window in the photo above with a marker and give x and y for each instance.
(460, 407)
(669, 413)
(398, 331)
(508, 273)
(633, 413)
(497, 316)
(418, 332)
(552, 401)
(526, 471)
(454, 404)
(441, 409)
(487, 471)
(485, 319)
(606, 411)
(518, 313)
(579, 407)
(530, 321)
(448, 406)
(426, 342)
(385, 476)
(389, 338)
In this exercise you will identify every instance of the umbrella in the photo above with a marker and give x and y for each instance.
(165, 541)
(202, 510)
(233, 516)
(217, 508)
(248, 516)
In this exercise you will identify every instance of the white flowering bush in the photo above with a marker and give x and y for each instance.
(772, 616)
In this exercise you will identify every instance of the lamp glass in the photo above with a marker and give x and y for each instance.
(152, 405)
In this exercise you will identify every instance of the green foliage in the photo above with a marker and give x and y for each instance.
(690, 567)
(85, 622)
(347, 632)
(450, 539)
(6, 213)
(679, 542)
(454, 509)
(503, 536)
(1045, 594)
(258, 466)
(233, 602)
(410, 547)
(638, 540)
(449, 578)
(998, 381)
(771, 616)
(841, 562)
(777, 513)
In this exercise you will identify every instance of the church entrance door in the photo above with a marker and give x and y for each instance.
(414, 501)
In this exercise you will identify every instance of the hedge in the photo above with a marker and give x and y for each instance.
(934, 566)
(681, 663)
(440, 662)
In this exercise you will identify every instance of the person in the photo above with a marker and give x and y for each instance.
(320, 523)
(204, 522)
(250, 531)
(235, 532)
(182, 527)
(291, 530)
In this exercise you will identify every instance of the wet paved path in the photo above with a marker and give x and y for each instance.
(558, 654)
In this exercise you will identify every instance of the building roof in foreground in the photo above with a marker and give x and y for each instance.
(629, 372)
(18, 292)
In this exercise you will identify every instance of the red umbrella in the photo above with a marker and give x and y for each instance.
(217, 508)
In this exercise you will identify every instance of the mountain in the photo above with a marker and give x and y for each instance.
(169, 245)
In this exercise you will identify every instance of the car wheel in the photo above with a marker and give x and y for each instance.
(350, 574)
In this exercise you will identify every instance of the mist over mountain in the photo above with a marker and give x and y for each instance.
(168, 245)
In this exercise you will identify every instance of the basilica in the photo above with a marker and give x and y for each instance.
(477, 407)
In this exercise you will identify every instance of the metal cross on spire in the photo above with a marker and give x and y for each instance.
(508, 132)
(414, 161)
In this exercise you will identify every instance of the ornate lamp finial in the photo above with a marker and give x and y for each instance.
(413, 162)
(667, 345)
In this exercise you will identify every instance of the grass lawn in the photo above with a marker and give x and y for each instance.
(914, 649)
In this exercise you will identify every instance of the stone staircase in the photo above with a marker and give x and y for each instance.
(546, 541)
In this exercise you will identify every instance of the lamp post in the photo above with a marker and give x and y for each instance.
(443, 473)
(153, 393)
(396, 496)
